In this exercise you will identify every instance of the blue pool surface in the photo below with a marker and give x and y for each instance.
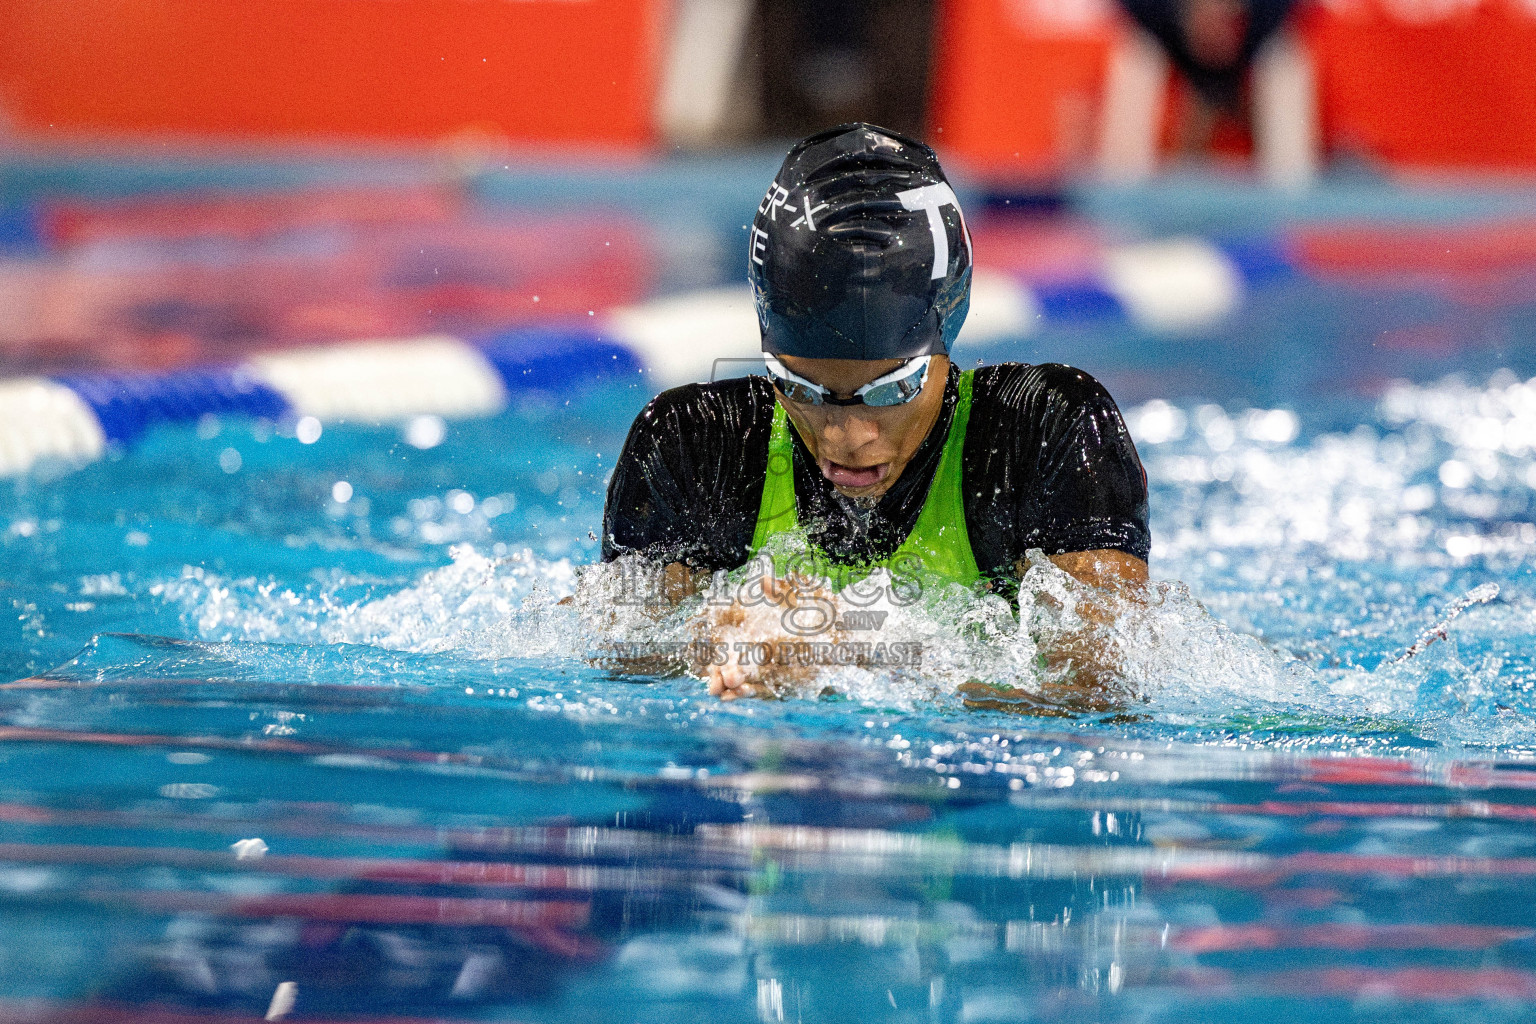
(354, 651)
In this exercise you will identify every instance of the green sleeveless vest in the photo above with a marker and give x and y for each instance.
(938, 550)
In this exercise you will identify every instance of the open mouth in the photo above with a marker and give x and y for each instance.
(854, 477)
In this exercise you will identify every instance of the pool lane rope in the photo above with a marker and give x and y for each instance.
(1166, 286)
(76, 418)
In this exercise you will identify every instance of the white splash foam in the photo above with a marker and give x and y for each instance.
(451, 608)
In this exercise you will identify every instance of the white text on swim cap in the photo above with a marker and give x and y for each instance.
(808, 218)
(934, 198)
(777, 196)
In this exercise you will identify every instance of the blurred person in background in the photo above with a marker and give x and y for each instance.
(1240, 61)
(743, 69)
(838, 61)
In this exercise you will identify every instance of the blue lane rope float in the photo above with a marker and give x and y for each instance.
(549, 359)
(128, 404)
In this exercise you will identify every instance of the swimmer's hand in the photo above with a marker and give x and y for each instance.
(751, 633)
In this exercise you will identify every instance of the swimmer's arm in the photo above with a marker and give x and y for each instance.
(1085, 664)
(658, 595)
(679, 582)
(673, 584)
(726, 677)
(1115, 576)
(1105, 568)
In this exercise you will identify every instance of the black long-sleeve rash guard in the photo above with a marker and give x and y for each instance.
(1047, 464)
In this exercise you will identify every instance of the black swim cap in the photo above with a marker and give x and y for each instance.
(859, 250)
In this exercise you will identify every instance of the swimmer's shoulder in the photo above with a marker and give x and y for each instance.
(713, 404)
(1037, 388)
(715, 417)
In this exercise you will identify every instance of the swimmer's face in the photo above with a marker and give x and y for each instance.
(862, 449)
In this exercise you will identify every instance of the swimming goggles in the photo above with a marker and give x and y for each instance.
(898, 387)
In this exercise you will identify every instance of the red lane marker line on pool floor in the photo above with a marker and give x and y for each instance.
(363, 908)
(1479, 809)
(371, 869)
(585, 841)
(41, 1012)
(19, 734)
(1349, 864)
(1244, 938)
(1431, 984)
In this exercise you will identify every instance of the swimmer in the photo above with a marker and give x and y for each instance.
(863, 438)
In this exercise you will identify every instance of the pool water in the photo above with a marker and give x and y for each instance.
(1318, 799)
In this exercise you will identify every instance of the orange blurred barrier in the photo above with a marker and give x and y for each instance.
(1428, 83)
(1408, 83)
(541, 71)
(1019, 82)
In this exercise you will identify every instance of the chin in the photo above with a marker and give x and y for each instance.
(871, 491)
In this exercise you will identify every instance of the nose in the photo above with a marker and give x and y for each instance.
(846, 429)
